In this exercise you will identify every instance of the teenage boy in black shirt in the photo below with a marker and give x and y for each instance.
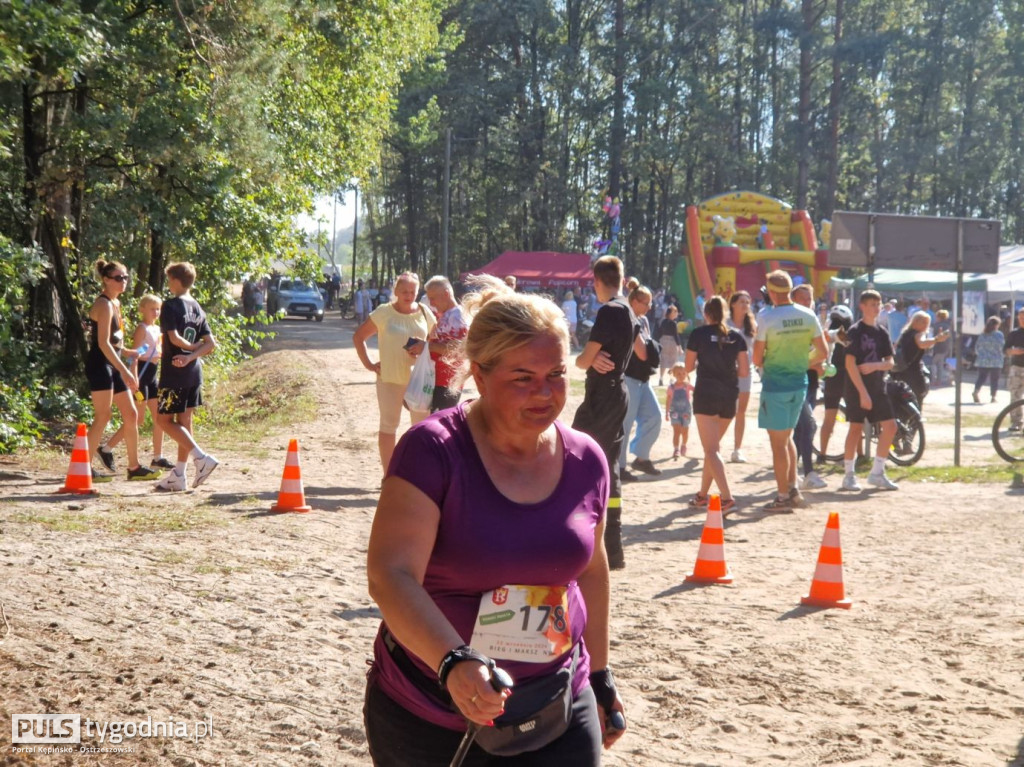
(186, 337)
(613, 339)
(869, 357)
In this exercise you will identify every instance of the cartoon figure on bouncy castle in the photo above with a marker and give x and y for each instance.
(723, 230)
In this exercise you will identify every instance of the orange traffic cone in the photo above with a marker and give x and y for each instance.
(79, 476)
(827, 584)
(291, 497)
(711, 567)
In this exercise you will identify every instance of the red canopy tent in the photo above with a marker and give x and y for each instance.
(540, 269)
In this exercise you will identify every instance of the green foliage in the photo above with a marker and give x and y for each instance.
(914, 108)
(150, 133)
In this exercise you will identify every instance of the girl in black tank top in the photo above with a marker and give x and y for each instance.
(110, 379)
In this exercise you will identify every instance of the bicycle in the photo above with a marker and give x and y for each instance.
(347, 306)
(908, 444)
(1007, 440)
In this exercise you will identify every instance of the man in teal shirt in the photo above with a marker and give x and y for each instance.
(785, 331)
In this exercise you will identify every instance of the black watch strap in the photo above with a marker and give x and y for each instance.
(603, 684)
(459, 654)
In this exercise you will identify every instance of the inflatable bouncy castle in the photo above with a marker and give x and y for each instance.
(734, 239)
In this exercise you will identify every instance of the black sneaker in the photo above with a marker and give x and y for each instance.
(142, 474)
(101, 477)
(107, 457)
(161, 463)
(625, 476)
(645, 465)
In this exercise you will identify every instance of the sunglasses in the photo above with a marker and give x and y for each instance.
(119, 277)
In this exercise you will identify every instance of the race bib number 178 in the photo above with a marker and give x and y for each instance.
(523, 623)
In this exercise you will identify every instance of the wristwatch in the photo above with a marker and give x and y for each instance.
(459, 654)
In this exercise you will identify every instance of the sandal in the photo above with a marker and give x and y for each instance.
(698, 501)
(779, 504)
(728, 504)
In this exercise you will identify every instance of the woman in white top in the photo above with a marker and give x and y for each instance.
(571, 312)
(402, 327)
(741, 319)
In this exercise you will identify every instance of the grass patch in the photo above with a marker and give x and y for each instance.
(67, 522)
(258, 397)
(124, 521)
(967, 421)
(206, 569)
(1000, 474)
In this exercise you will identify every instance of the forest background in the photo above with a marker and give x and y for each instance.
(150, 131)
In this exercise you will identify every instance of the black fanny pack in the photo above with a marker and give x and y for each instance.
(537, 713)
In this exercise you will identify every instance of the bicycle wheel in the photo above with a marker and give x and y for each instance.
(347, 307)
(837, 440)
(1008, 443)
(908, 445)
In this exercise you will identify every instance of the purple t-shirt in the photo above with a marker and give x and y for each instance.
(485, 541)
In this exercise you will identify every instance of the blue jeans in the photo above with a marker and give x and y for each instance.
(644, 411)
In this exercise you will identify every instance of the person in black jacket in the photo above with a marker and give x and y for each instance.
(613, 339)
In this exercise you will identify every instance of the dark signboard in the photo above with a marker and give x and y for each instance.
(913, 242)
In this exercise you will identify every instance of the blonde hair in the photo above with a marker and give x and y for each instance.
(149, 300)
(502, 320)
(408, 276)
(678, 366)
(640, 290)
(779, 281)
(921, 319)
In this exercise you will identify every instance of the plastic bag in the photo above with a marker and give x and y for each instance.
(420, 391)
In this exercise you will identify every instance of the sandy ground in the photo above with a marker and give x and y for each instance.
(207, 606)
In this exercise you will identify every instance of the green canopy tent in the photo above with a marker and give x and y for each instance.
(890, 282)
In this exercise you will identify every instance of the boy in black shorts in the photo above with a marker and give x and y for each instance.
(186, 338)
(869, 357)
(613, 339)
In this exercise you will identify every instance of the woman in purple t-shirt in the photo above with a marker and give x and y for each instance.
(487, 544)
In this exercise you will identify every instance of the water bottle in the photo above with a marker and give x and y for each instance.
(830, 370)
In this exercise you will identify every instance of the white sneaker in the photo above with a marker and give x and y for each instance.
(172, 483)
(882, 481)
(813, 481)
(850, 482)
(737, 457)
(204, 468)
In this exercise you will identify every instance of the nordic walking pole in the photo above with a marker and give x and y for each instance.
(500, 680)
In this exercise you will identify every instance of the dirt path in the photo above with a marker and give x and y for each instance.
(206, 605)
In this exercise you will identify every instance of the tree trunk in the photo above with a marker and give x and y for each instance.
(618, 127)
(804, 103)
(828, 198)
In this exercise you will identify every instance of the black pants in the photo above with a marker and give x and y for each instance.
(601, 416)
(398, 738)
(444, 398)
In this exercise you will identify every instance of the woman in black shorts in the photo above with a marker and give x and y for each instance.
(110, 380)
(721, 358)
